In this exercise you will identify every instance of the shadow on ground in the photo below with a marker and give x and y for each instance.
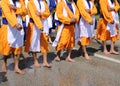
(3, 77)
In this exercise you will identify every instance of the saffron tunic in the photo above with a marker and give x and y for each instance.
(105, 19)
(86, 31)
(11, 40)
(38, 28)
(64, 15)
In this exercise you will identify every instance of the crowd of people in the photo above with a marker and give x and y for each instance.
(29, 23)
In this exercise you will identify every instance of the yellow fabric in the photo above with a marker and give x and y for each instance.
(94, 10)
(44, 43)
(61, 17)
(32, 14)
(4, 46)
(29, 36)
(117, 7)
(45, 14)
(84, 13)
(67, 36)
(102, 33)
(7, 13)
(104, 10)
(16, 50)
(21, 11)
(85, 41)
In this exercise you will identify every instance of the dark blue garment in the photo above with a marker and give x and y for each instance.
(88, 3)
(4, 21)
(0, 11)
(14, 3)
(70, 6)
(31, 20)
(101, 16)
(57, 22)
(39, 4)
(52, 5)
(24, 24)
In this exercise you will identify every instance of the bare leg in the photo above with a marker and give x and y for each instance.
(36, 63)
(4, 65)
(45, 63)
(16, 68)
(105, 48)
(112, 50)
(57, 58)
(50, 41)
(69, 58)
(87, 57)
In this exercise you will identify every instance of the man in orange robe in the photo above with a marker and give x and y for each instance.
(11, 39)
(108, 24)
(38, 30)
(86, 24)
(68, 15)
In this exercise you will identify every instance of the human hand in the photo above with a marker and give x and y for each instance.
(72, 20)
(112, 22)
(87, 10)
(91, 23)
(19, 27)
(111, 9)
(38, 13)
(13, 7)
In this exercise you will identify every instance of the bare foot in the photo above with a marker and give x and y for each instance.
(106, 52)
(19, 71)
(47, 65)
(36, 64)
(4, 68)
(87, 57)
(114, 52)
(57, 59)
(70, 60)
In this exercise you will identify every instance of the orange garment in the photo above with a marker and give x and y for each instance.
(38, 22)
(87, 17)
(44, 43)
(10, 15)
(102, 33)
(67, 36)
(84, 13)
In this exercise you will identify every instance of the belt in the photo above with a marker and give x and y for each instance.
(101, 16)
(31, 20)
(4, 21)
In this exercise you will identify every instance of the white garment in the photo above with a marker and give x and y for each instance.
(15, 37)
(45, 21)
(112, 27)
(56, 41)
(35, 44)
(86, 29)
(27, 17)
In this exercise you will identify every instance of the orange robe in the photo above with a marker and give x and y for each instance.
(87, 17)
(10, 16)
(67, 36)
(37, 20)
(106, 17)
